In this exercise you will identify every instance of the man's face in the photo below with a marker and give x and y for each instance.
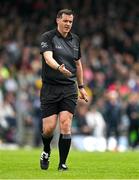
(65, 23)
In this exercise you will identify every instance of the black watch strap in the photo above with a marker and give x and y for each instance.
(81, 86)
(58, 68)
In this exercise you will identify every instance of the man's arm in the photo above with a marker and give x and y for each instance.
(79, 74)
(48, 56)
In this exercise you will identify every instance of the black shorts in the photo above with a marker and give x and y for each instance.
(57, 98)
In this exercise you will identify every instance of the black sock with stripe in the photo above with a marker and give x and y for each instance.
(46, 142)
(64, 147)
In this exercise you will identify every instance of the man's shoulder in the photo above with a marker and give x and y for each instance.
(75, 36)
(49, 34)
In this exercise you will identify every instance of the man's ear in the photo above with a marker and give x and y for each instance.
(57, 20)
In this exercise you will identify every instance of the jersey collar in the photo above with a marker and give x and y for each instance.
(69, 36)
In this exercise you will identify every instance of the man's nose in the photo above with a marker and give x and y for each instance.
(68, 23)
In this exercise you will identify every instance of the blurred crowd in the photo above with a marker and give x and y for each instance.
(109, 33)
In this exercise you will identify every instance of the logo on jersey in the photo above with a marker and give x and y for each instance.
(44, 45)
(58, 47)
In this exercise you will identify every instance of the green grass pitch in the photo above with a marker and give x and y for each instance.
(24, 164)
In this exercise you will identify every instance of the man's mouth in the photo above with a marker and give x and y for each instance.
(67, 28)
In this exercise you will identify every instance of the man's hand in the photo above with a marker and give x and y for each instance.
(64, 71)
(83, 94)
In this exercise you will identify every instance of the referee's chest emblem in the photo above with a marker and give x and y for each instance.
(58, 47)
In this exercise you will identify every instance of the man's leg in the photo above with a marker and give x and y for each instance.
(48, 126)
(65, 120)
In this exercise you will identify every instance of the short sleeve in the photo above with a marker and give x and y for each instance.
(77, 50)
(45, 43)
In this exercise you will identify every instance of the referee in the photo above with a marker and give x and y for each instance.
(61, 68)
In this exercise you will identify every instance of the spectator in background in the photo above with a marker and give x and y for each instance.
(80, 123)
(95, 122)
(80, 128)
(113, 118)
(133, 115)
(8, 120)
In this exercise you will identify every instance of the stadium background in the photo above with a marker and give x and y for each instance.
(109, 32)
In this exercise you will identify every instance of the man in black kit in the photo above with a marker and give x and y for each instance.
(61, 68)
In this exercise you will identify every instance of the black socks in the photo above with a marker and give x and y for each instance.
(46, 142)
(64, 146)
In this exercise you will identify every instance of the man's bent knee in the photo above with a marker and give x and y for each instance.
(49, 125)
(48, 131)
(65, 127)
(65, 122)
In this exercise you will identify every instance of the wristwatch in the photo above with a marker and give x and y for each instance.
(58, 68)
(81, 86)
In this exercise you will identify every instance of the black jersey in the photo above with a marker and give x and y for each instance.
(65, 51)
